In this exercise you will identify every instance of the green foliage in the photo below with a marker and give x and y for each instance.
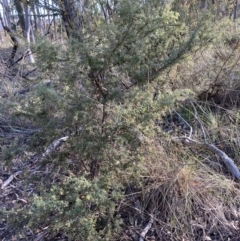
(82, 208)
(102, 96)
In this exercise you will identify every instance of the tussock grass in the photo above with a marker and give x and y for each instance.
(188, 198)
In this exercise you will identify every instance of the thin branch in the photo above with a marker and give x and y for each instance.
(49, 26)
(24, 55)
(24, 76)
(146, 229)
(190, 127)
(225, 62)
(10, 179)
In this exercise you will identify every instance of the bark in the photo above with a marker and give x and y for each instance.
(39, 22)
(15, 45)
(72, 18)
(235, 10)
(19, 9)
(55, 28)
(34, 17)
(15, 42)
(28, 32)
(7, 13)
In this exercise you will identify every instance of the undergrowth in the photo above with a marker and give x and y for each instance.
(124, 113)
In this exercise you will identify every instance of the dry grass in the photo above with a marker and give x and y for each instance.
(187, 198)
(187, 191)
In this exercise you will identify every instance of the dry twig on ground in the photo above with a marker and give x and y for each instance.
(211, 147)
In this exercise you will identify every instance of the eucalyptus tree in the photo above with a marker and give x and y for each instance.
(220, 9)
(7, 22)
(7, 13)
(28, 30)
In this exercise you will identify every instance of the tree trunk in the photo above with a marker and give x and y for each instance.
(71, 16)
(6, 13)
(235, 10)
(39, 22)
(19, 9)
(6, 23)
(28, 32)
(34, 17)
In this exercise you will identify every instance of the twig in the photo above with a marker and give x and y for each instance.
(21, 199)
(48, 31)
(9, 180)
(24, 55)
(40, 236)
(24, 76)
(225, 62)
(190, 127)
(146, 229)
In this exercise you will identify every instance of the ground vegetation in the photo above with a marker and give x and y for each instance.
(119, 120)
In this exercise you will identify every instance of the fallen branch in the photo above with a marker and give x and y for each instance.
(14, 131)
(191, 129)
(145, 230)
(224, 157)
(9, 180)
(24, 75)
(22, 91)
(25, 54)
(54, 145)
(40, 236)
(21, 199)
